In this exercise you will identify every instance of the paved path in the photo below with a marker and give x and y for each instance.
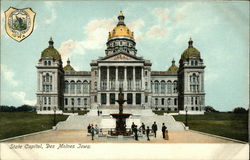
(76, 136)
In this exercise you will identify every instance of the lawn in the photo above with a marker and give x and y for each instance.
(20, 123)
(229, 125)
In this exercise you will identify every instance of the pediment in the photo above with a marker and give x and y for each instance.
(121, 57)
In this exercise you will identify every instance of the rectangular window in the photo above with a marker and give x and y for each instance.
(79, 101)
(112, 98)
(129, 98)
(85, 101)
(49, 100)
(103, 98)
(138, 98)
(162, 101)
(66, 101)
(146, 99)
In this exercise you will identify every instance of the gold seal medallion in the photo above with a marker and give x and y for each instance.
(19, 23)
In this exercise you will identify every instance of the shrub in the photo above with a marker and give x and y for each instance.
(239, 110)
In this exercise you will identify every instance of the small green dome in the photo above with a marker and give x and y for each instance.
(68, 67)
(190, 51)
(173, 68)
(51, 51)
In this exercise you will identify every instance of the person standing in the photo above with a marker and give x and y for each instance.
(92, 131)
(89, 127)
(142, 128)
(133, 127)
(154, 128)
(96, 129)
(163, 129)
(147, 132)
(136, 133)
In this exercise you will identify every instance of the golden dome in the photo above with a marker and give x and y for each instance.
(51, 51)
(68, 67)
(121, 30)
(190, 51)
(173, 68)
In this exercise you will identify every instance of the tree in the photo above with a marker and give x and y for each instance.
(210, 109)
(239, 110)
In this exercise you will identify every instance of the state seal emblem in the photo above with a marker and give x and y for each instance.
(19, 23)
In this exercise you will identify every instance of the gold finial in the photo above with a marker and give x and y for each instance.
(121, 14)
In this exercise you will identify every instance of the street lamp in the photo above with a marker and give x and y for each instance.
(186, 109)
(54, 116)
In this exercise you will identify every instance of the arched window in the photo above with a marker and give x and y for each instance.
(78, 87)
(169, 87)
(146, 85)
(78, 101)
(47, 77)
(192, 63)
(66, 87)
(175, 86)
(45, 63)
(162, 101)
(95, 85)
(72, 87)
(45, 100)
(49, 63)
(169, 101)
(152, 86)
(163, 86)
(85, 87)
(49, 100)
(85, 101)
(156, 101)
(72, 101)
(175, 101)
(196, 63)
(156, 87)
(66, 101)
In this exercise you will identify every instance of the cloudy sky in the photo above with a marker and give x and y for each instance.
(220, 31)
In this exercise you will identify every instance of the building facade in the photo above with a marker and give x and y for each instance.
(177, 88)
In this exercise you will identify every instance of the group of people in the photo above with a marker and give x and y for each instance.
(143, 129)
(93, 130)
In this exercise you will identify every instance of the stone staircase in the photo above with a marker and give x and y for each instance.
(105, 121)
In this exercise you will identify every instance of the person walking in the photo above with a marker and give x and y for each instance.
(142, 128)
(163, 129)
(92, 131)
(154, 128)
(147, 132)
(136, 133)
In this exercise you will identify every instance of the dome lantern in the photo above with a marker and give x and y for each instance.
(121, 19)
(51, 42)
(190, 43)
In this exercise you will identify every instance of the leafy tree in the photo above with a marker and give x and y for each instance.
(210, 109)
(239, 110)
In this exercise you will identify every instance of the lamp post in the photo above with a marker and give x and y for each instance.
(186, 109)
(54, 116)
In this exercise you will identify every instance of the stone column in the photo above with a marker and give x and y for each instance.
(142, 79)
(116, 78)
(41, 84)
(125, 78)
(133, 103)
(125, 98)
(55, 84)
(133, 78)
(38, 81)
(99, 78)
(108, 88)
(108, 103)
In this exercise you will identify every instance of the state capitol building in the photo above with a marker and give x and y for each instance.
(63, 88)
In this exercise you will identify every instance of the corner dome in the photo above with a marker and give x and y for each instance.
(51, 51)
(68, 67)
(121, 30)
(173, 68)
(190, 51)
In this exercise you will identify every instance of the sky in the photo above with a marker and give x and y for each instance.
(219, 29)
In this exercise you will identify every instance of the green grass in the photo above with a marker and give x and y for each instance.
(229, 125)
(20, 123)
